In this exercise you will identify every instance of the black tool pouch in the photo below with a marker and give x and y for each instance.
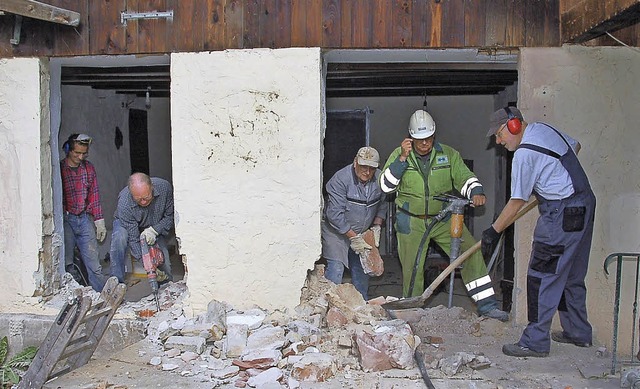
(573, 219)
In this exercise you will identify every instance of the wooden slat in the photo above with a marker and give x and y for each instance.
(590, 18)
(420, 23)
(331, 28)
(73, 40)
(251, 24)
(283, 29)
(519, 23)
(152, 33)
(496, 23)
(313, 18)
(346, 24)
(474, 23)
(401, 25)
(39, 10)
(453, 23)
(109, 36)
(214, 25)
(434, 33)
(298, 23)
(233, 14)
(268, 23)
(382, 23)
(362, 24)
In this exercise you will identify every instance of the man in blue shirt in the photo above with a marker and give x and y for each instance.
(545, 163)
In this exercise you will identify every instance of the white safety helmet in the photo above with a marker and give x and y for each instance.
(421, 125)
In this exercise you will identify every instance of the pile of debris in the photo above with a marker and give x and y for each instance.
(333, 330)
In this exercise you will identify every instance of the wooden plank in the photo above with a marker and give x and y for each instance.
(39, 10)
(251, 24)
(519, 26)
(362, 27)
(314, 23)
(132, 28)
(434, 34)
(496, 23)
(298, 23)
(590, 19)
(72, 40)
(401, 23)
(187, 26)
(452, 23)
(382, 28)
(541, 25)
(283, 30)
(420, 23)
(107, 36)
(268, 23)
(331, 27)
(346, 37)
(233, 11)
(214, 26)
(475, 17)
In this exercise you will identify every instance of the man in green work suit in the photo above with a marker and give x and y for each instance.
(418, 170)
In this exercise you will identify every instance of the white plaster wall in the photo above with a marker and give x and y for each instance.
(247, 160)
(592, 94)
(461, 122)
(22, 197)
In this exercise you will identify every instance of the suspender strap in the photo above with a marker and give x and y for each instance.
(540, 150)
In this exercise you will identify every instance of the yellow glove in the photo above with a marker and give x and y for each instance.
(101, 230)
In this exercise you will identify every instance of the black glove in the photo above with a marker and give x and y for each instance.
(490, 239)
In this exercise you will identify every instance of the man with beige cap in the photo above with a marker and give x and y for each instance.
(354, 205)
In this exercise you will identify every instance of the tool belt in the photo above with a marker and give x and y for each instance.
(423, 217)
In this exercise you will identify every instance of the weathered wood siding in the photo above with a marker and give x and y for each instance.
(580, 16)
(203, 25)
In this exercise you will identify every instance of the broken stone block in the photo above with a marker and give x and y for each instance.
(252, 318)
(261, 359)
(335, 318)
(189, 356)
(179, 323)
(303, 328)
(267, 338)
(315, 367)
(169, 366)
(172, 353)
(225, 373)
(451, 365)
(155, 361)
(206, 330)
(236, 340)
(195, 344)
(371, 260)
(271, 375)
(390, 346)
(350, 303)
(344, 341)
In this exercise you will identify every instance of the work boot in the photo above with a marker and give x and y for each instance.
(515, 350)
(496, 313)
(560, 337)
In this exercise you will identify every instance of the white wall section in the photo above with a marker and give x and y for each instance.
(247, 130)
(23, 198)
(591, 93)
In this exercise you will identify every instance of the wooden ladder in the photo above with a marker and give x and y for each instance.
(74, 335)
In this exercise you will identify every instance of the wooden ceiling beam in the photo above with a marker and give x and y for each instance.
(589, 19)
(38, 10)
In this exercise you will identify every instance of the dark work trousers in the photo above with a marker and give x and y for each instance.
(559, 263)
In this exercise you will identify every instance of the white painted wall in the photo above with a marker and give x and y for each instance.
(24, 197)
(248, 128)
(592, 94)
(461, 122)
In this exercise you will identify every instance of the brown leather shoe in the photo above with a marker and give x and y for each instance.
(560, 337)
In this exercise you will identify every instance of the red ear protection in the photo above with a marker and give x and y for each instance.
(514, 125)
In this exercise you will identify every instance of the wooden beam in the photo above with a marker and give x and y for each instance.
(589, 19)
(38, 10)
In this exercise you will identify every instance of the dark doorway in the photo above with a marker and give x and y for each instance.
(138, 141)
(346, 132)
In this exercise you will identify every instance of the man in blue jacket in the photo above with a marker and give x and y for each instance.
(354, 205)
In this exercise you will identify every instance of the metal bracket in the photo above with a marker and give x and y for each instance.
(17, 27)
(124, 16)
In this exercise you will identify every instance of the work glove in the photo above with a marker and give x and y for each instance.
(376, 234)
(490, 238)
(358, 244)
(149, 234)
(101, 230)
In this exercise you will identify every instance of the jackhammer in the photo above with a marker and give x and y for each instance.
(152, 258)
(456, 207)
